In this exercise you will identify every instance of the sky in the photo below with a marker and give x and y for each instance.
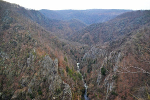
(83, 4)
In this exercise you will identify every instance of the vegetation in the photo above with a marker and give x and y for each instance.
(89, 17)
(58, 91)
(89, 66)
(32, 96)
(103, 71)
(114, 93)
(74, 75)
(40, 91)
(119, 47)
(65, 58)
(23, 46)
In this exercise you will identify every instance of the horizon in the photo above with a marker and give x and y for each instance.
(86, 9)
(83, 5)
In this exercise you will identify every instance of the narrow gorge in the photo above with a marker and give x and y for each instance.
(84, 82)
(95, 54)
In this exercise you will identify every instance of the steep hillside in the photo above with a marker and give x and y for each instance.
(86, 16)
(111, 30)
(60, 28)
(118, 69)
(35, 64)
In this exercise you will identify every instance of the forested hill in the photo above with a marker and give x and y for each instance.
(108, 31)
(117, 65)
(58, 27)
(40, 54)
(86, 16)
(33, 60)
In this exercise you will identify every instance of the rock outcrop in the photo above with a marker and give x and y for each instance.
(107, 64)
(45, 78)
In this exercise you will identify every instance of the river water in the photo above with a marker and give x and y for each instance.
(85, 94)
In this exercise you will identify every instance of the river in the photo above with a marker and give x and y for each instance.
(85, 94)
(85, 86)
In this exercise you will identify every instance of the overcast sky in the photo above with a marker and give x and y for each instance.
(83, 4)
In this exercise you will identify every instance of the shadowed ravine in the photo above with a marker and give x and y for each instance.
(85, 86)
(85, 94)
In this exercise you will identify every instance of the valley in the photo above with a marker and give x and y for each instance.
(97, 54)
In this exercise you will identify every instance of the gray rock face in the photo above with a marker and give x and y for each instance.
(3, 55)
(110, 62)
(109, 85)
(95, 52)
(67, 95)
(48, 75)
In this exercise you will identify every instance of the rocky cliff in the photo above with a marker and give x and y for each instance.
(35, 64)
(38, 81)
(117, 71)
(33, 61)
